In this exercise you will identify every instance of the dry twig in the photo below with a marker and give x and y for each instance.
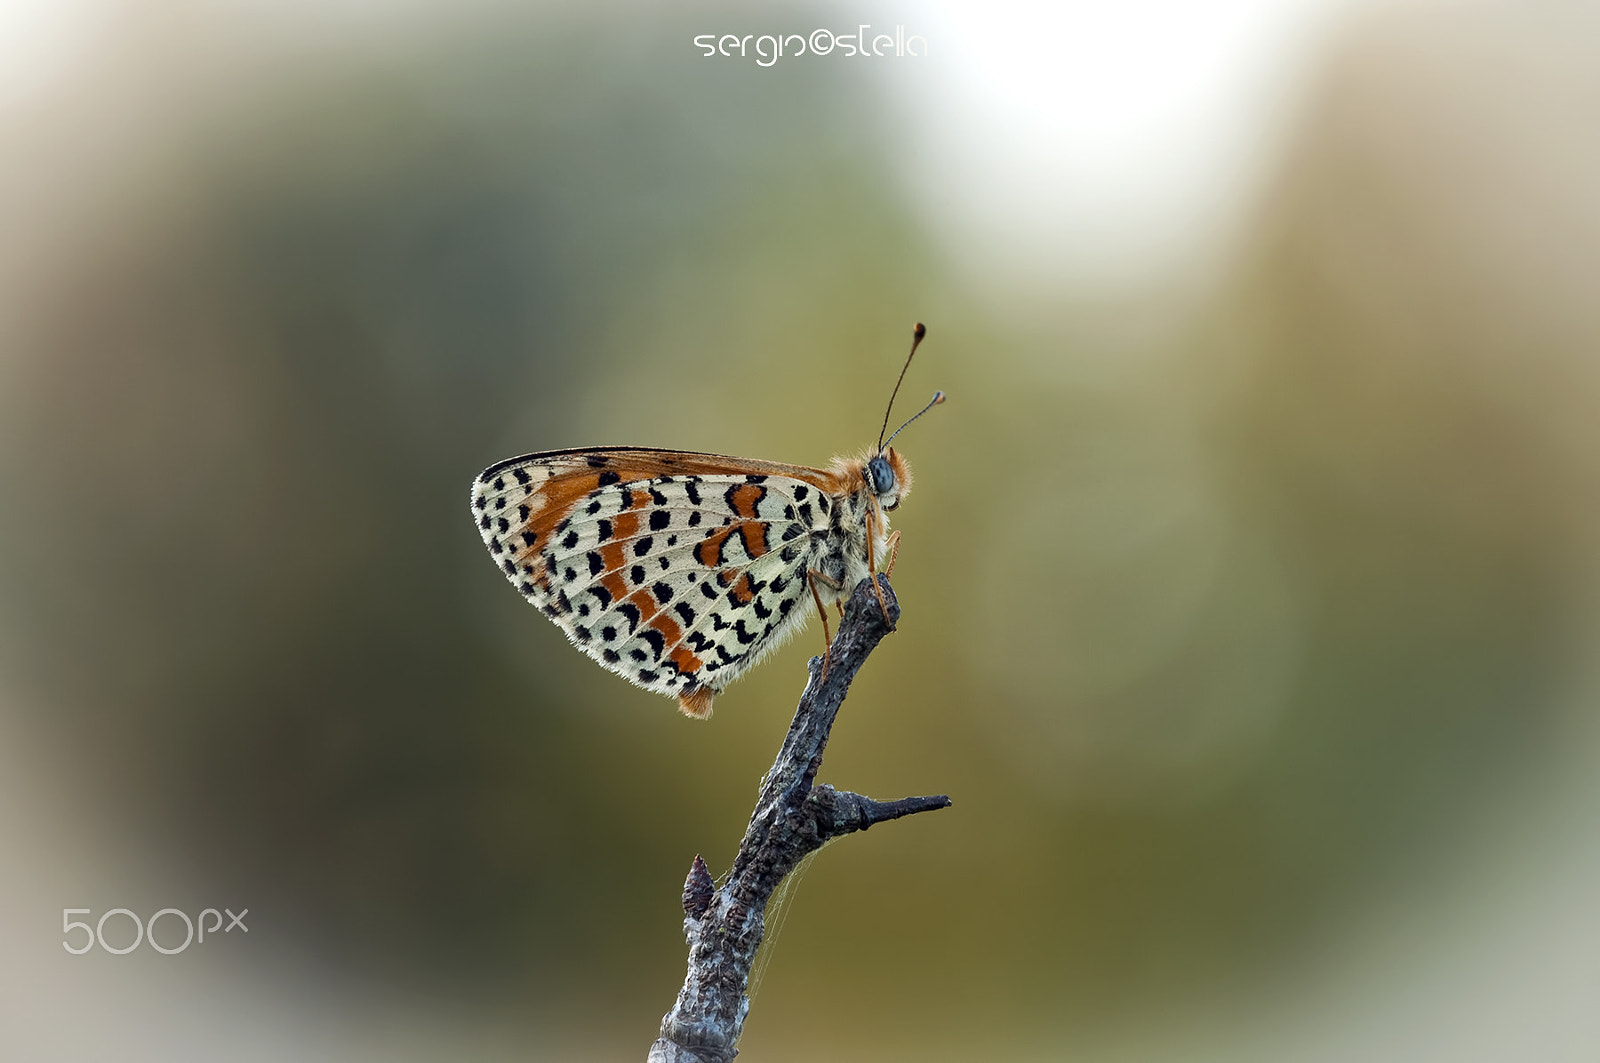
(792, 819)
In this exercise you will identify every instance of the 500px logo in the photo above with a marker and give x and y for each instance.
(144, 931)
(770, 47)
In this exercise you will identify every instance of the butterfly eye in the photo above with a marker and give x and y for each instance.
(880, 475)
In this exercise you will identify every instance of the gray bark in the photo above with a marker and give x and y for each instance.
(792, 818)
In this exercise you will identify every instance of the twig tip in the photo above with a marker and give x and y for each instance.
(697, 888)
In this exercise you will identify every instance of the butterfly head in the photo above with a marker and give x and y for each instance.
(888, 477)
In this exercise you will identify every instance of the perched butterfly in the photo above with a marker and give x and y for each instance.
(680, 571)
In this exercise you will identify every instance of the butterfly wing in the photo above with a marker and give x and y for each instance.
(677, 571)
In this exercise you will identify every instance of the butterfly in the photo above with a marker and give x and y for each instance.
(680, 571)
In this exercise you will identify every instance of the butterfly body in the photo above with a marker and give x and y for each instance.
(680, 571)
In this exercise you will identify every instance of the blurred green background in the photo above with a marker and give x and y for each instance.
(1249, 599)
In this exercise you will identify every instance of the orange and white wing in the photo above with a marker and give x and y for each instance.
(677, 571)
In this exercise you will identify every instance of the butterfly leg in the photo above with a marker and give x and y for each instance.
(812, 578)
(894, 553)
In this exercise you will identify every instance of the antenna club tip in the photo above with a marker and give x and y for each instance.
(938, 398)
(920, 330)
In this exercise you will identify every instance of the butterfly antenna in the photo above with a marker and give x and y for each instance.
(938, 397)
(916, 338)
